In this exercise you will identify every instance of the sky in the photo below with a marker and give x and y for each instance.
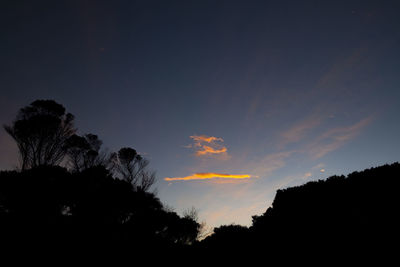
(229, 100)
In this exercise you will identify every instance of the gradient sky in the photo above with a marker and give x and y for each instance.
(237, 98)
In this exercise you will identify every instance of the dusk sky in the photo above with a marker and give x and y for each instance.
(229, 100)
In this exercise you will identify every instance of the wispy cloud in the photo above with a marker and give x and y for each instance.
(307, 175)
(208, 146)
(266, 165)
(300, 129)
(335, 138)
(205, 138)
(343, 69)
(210, 150)
(209, 175)
(325, 141)
(319, 168)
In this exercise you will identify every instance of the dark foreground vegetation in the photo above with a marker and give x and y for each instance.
(71, 197)
(49, 206)
(351, 216)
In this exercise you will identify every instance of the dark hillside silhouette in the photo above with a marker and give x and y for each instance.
(91, 208)
(340, 217)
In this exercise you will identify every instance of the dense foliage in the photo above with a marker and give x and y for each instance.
(57, 207)
(338, 216)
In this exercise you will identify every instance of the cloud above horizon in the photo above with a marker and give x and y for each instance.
(300, 129)
(335, 138)
(205, 138)
(327, 139)
(209, 175)
(209, 146)
(210, 150)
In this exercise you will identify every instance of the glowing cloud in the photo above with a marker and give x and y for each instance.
(209, 150)
(209, 175)
(208, 146)
(205, 138)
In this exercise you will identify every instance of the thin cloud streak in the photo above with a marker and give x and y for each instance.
(336, 138)
(209, 150)
(209, 175)
(299, 130)
(270, 163)
(205, 138)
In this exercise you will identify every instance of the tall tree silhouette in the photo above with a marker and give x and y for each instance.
(84, 152)
(132, 168)
(84, 205)
(40, 131)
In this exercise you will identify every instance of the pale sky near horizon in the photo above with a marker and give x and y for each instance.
(229, 100)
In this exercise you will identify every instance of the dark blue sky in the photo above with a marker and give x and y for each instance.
(292, 90)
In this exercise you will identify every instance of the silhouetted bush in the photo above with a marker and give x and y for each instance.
(51, 205)
(338, 217)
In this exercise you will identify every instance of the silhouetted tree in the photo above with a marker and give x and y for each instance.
(40, 131)
(86, 206)
(84, 152)
(132, 168)
(203, 229)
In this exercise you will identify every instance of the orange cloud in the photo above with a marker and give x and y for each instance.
(208, 145)
(205, 138)
(208, 175)
(210, 150)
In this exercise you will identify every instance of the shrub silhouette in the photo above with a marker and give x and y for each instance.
(91, 207)
(338, 217)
